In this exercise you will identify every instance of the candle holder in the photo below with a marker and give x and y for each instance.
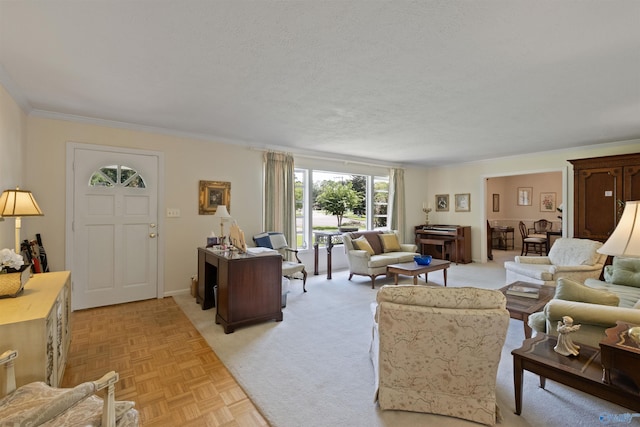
(426, 215)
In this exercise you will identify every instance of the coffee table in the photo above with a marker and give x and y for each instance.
(582, 372)
(414, 269)
(522, 307)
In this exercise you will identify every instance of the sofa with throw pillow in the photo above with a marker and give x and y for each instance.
(595, 305)
(370, 252)
(572, 258)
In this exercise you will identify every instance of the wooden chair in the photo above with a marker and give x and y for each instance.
(538, 244)
(38, 403)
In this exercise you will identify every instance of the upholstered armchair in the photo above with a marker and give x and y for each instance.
(276, 240)
(437, 350)
(572, 258)
(36, 403)
(370, 252)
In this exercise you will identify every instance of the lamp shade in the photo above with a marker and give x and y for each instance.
(221, 212)
(625, 240)
(18, 203)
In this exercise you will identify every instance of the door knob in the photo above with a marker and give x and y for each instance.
(152, 235)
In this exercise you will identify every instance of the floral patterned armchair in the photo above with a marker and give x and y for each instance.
(437, 350)
(37, 404)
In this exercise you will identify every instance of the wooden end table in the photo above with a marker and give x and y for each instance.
(521, 308)
(414, 269)
(620, 354)
(582, 372)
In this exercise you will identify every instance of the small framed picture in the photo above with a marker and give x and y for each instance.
(524, 196)
(463, 202)
(547, 202)
(496, 203)
(212, 195)
(442, 203)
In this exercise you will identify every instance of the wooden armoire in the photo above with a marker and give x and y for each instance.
(601, 186)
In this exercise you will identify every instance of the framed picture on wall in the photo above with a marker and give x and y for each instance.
(463, 202)
(547, 202)
(524, 196)
(442, 203)
(496, 203)
(212, 195)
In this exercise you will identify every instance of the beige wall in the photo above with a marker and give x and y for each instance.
(42, 142)
(13, 137)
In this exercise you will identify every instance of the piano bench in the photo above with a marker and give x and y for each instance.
(437, 243)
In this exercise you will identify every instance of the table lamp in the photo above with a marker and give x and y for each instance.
(18, 203)
(625, 242)
(625, 239)
(223, 215)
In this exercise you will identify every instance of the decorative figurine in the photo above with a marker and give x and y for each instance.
(565, 345)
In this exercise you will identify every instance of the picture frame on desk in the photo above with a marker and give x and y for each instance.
(212, 195)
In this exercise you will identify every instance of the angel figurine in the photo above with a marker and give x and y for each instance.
(565, 345)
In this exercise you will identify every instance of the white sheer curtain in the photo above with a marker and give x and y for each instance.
(279, 195)
(396, 209)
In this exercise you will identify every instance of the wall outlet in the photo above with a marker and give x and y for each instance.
(173, 213)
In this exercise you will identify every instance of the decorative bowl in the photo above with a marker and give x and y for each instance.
(422, 260)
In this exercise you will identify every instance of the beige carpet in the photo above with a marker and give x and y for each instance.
(313, 368)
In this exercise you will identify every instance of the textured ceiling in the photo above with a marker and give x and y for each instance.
(407, 82)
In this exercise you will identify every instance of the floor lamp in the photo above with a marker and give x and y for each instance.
(18, 203)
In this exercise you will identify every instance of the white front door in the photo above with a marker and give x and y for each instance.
(114, 227)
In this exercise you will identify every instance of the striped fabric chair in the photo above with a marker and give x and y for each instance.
(276, 240)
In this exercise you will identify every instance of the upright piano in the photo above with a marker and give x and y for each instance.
(456, 238)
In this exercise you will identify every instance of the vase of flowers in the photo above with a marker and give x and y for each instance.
(14, 273)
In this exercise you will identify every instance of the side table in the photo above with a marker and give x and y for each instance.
(620, 354)
(521, 308)
(330, 239)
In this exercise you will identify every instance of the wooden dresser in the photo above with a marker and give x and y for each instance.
(37, 324)
(601, 186)
(249, 287)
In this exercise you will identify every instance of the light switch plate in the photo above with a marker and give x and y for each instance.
(173, 213)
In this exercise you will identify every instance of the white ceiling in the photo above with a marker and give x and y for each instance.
(407, 82)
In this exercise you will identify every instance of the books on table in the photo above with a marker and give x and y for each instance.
(523, 291)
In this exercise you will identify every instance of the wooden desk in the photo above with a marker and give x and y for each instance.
(249, 287)
(330, 239)
(582, 372)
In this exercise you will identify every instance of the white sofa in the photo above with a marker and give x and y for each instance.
(374, 262)
(571, 258)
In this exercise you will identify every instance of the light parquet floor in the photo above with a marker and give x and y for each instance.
(164, 364)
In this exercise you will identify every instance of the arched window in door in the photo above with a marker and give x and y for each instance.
(117, 176)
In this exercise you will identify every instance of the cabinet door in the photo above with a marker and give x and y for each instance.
(597, 193)
(632, 183)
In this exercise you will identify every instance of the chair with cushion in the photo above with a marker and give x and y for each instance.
(370, 252)
(37, 403)
(437, 350)
(276, 240)
(572, 258)
(535, 243)
(595, 305)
